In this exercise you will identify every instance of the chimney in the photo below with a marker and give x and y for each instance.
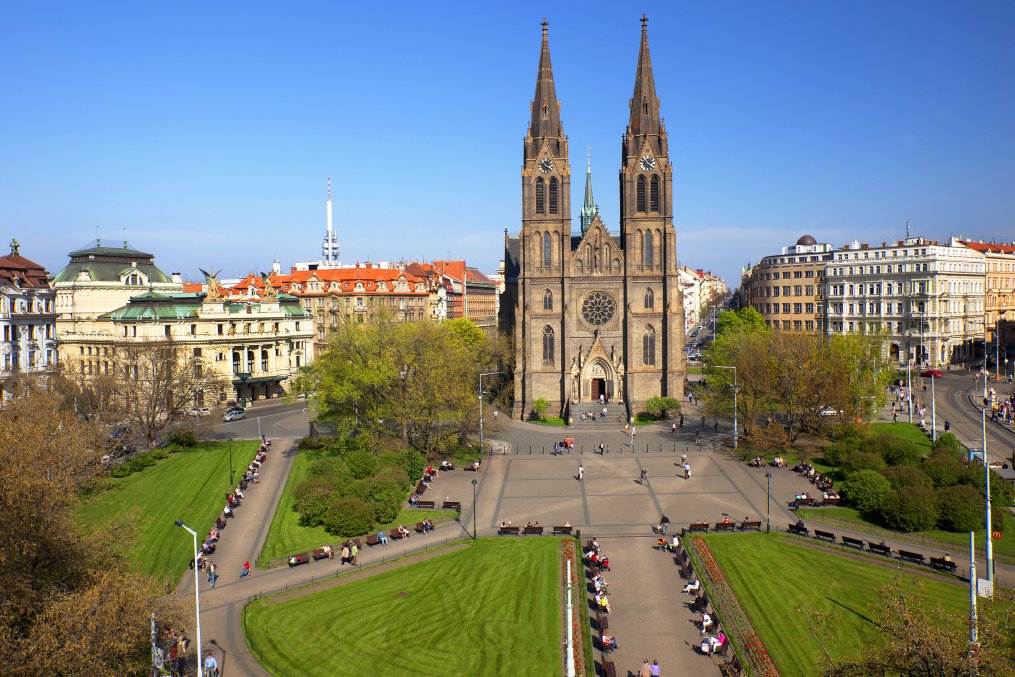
(177, 278)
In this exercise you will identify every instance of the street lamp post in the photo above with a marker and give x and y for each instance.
(197, 595)
(909, 388)
(230, 460)
(488, 373)
(474, 509)
(768, 527)
(720, 366)
(933, 409)
(986, 469)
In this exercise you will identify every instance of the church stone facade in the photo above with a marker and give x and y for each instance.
(599, 312)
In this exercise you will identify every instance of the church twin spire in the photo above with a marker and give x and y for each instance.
(589, 206)
(545, 107)
(644, 102)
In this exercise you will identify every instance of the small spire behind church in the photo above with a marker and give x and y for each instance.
(589, 206)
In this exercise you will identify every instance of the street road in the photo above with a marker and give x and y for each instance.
(273, 418)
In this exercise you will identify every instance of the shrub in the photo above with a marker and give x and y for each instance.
(947, 442)
(413, 462)
(960, 508)
(835, 453)
(349, 516)
(865, 489)
(332, 467)
(183, 439)
(307, 492)
(1000, 491)
(910, 509)
(898, 452)
(540, 407)
(136, 464)
(862, 460)
(660, 407)
(905, 476)
(309, 442)
(313, 507)
(361, 463)
(945, 467)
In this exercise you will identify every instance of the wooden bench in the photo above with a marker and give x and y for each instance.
(321, 553)
(687, 572)
(509, 530)
(602, 623)
(420, 488)
(796, 529)
(700, 603)
(373, 540)
(220, 523)
(832, 501)
(852, 542)
(731, 669)
(419, 528)
(562, 529)
(744, 526)
(354, 541)
(911, 556)
(804, 502)
(609, 669)
(452, 505)
(430, 505)
(879, 549)
(299, 558)
(824, 535)
(473, 468)
(943, 564)
(533, 530)
(701, 526)
(725, 526)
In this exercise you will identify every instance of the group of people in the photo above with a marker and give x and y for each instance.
(560, 446)
(823, 482)
(593, 554)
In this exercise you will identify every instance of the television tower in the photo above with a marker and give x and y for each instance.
(329, 249)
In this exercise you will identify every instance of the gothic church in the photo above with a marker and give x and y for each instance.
(595, 313)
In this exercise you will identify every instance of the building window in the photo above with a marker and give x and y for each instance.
(648, 346)
(548, 346)
(169, 330)
(553, 195)
(546, 250)
(650, 299)
(641, 194)
(654, 194)
(547, 300)
(540, 207)
(647, 252)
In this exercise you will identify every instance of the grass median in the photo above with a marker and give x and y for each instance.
(191, 484)
(491, 608)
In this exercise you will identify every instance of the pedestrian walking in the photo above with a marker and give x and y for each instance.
(212, 573)
(644, 476)
(717, 425)
(655, 669)
(673, 428)
(581, 472)
(683, 457)
(895, 417)
(246, 570)
(602, 449)
(687, 471)
(646, 669)
(681, 420)
(354, 554)
(556, 448)
(948, 425)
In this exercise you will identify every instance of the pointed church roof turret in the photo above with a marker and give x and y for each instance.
(589, 207)
(545, 109)
(644, 102)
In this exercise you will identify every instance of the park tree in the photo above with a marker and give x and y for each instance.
(920, 639)
(743, 318)
(68, 603)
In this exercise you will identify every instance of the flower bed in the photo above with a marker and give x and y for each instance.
(738, 628)
(579, 617)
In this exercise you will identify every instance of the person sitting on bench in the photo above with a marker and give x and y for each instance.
(692, 588)
(801, 497)
(239, 492)
(414, 499)
(213, 534)
(328, 551)
(599, 582)
(403, 533)
(227, 511)
(427, 526)
(475, 466)
(447, 465)
(604, 563)
(706, 622)
(661, 543)
(609, 642)
(382, 537)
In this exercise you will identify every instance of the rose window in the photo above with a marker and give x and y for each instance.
(598, 308)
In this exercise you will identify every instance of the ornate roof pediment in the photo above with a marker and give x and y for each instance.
(597, 252)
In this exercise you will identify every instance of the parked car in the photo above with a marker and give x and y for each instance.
(830, 411)
(234, 408)
(230, 416)
(931, 373)
(199, 411)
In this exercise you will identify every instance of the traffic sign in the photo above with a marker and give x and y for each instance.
(996, 535)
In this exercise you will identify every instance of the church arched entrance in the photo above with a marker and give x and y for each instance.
(599, 379)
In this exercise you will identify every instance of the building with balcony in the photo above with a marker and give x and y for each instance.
(999, 301)
(257, 347)
(788, 289)
(27, 318)
(926, 297)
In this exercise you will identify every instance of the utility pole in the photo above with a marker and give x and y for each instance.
(972, 592)
(986, 469)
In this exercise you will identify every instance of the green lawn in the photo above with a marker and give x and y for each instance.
(550, 420)
(490, 609)
(905, 431)
(1003, 549)
(777, 582)
(286, 536)
(190, 484)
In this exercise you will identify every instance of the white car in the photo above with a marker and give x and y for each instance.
(234, 416)
(830, 411)
(199, 411)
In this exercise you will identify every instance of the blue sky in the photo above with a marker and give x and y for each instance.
(205, 132)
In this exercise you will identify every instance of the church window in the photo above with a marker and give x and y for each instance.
(641, 194)
(548, 346)
(650, 299)
(648, 346)
(547, 300)
(654, 194)
(598, 308)
(647, 251)
(546, 249)
(553, 195)
(540, 209)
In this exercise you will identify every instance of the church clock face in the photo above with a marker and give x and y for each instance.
(598, 308)
(545, 165)
(648, 163)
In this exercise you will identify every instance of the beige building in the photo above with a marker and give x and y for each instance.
(788, 289)
(999, 303)
(257, 347)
